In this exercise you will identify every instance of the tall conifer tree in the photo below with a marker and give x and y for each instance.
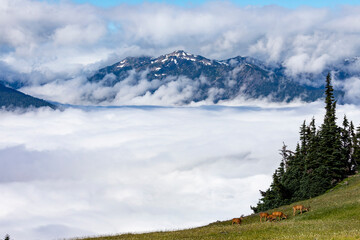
(309, 178)
(347, 145)
(321, 159)
(332, 163)
(356, 154)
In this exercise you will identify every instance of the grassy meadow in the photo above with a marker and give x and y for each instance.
(334, 215)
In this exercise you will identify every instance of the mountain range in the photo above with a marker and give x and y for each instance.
(193, 78)
(210, 79)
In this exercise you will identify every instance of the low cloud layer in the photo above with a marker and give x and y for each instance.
(105, 171)
(134, 90)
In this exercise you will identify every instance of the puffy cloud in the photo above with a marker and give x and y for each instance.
(65, 37)
(42, 35)
(352, 90)
(74, 34)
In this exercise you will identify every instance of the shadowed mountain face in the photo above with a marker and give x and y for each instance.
(213, 80)
(11, 99)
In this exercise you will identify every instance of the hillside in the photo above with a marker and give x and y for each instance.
(10, 98)
(333, 215)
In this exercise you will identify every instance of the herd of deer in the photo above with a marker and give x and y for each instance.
(274, 215)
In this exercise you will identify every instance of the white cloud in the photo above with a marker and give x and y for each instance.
(74, 34)
(65, 37)
(104, 171)
(352, 90)
(136, 89)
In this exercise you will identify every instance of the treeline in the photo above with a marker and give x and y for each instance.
(322, 158)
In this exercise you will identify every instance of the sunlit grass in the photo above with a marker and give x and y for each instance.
(334, 215)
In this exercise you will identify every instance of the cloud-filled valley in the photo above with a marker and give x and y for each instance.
(103, 171)
(145, 154)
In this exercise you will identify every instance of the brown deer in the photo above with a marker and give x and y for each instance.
(281, 215)
(263, 215)
(271, 218)
(301, 208)
(237, 220)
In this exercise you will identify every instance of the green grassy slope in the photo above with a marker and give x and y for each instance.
(334, 215)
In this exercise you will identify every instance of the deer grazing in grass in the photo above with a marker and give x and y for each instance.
(263, 215)
(237, 220)
(281, 215)
(271, 218)
(301, 208)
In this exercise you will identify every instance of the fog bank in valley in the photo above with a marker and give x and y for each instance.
(105, 171)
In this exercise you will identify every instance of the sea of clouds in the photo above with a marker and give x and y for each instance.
(92, 170)
(53, 46)
(84, 172)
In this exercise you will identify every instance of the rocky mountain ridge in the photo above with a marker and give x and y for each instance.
(210, 79)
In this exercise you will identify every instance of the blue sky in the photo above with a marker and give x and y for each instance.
(284, 3)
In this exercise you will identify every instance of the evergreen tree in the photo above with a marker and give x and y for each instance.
(321, 159)
(286, 156)
(293, 175)
(277, 194)
(272, 197)
(283, 191)
(304, 139)
(356, 149)
(266, 201)
(352, 165)
(332, 164)
(347, 145)
(311, 165)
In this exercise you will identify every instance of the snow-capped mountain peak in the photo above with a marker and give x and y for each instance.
(209, 79)
(180, 55)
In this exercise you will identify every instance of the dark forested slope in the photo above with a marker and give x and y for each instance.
(11, 99)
